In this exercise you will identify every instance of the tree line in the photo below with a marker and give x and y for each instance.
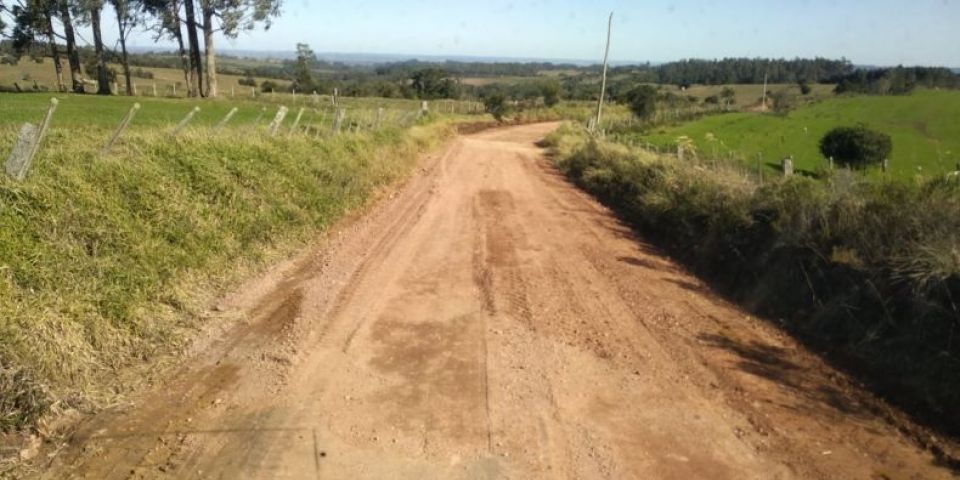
(45, 25)
(739, 71)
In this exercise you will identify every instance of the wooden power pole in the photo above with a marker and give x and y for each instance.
(603, 80)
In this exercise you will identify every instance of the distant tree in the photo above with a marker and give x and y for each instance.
(642, 101)
(496, 105)
(432, 82)
(303, 74)
(550, 90)
(804, 87)
(729, 97)
(856, 146)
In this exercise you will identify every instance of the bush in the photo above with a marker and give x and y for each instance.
(783, 102)
(496, 105)
(856, 146)
(642, 101)
(804, 88)
(141, 73)
(247, 81)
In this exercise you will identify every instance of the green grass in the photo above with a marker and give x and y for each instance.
(106, 263)
(84, 111)
(925, 128)
(867, 268)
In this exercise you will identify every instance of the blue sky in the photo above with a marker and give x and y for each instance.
(883, 32)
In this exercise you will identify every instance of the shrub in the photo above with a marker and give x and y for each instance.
(804, 88)
(869, 267)
(247, 81)
(496, 105)
(642, 101)
(856, 146)
(783, 102)
(141, 73)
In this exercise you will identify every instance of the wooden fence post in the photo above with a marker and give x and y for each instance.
(123, 126)
(226, 119)
(379, 118)
(154, 89)
(184, 122)
(277, 120)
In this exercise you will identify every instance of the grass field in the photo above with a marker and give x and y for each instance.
(925, 128)
(89, 111)
(107, 262)
(26, 71)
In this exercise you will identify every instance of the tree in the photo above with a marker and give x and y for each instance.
(430, 83)
(642, 101)
(91, 10)
(303, 76)
(729, 97)
(804, 87)
(126, 20)
(196, 87)
(73, 54)
(168, 22)
(233, 17)
(34, 26)
(856, 146)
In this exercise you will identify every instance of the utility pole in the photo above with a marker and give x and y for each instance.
(603, 80)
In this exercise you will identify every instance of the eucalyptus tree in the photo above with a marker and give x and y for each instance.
(230, 17)
(126, 13)
(90, 12)
(70, 39)
(167, 23)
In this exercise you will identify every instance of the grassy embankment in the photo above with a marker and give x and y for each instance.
(106, 263)
(924, 126)
(868, 269)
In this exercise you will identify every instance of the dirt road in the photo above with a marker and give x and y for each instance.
(490, 321)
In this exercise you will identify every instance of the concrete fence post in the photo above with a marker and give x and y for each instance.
(174, 89)
(296, 121)
(154, 89)
(787, 165)
(379, 118)
(28, 144)
(338, 120)
(226, 119)
(263, 111)
(277, 120)
(123, 126)
(19, 160)
(183, 123)
(424, 108)
(253, 92)
(885, 165)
